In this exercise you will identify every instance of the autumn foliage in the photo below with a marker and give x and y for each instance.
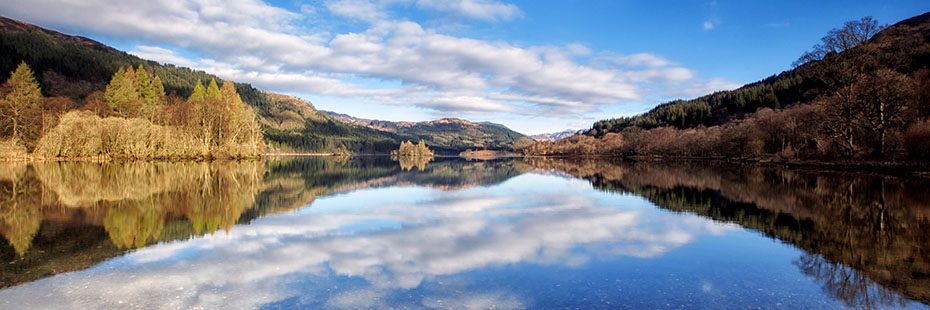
(133, 118)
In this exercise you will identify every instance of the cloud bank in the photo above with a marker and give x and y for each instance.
(390, 60)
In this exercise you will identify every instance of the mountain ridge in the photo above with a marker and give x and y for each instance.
(472, 135)
(555, 136)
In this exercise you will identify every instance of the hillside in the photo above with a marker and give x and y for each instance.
(899, 46)
(864, 99)
(75, 67)
(447, 135)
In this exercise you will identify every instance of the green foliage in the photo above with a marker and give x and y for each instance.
(213, 92)
(199, 92)
(134, 93)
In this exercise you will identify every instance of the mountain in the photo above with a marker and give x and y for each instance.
(75, 67)
(556, 136)
(448, 135)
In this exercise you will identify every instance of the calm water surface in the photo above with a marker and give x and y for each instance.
(373, 233)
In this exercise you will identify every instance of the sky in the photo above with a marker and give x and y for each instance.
(534, 66)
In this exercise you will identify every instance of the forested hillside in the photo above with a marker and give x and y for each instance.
(863, 93)
(69, 69)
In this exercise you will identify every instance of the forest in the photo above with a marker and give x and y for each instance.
(132, 119)
(862, 94)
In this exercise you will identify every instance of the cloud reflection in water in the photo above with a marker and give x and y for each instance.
(367, 254)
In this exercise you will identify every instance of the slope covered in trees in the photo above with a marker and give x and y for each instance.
(861, 94)
(132, 119)
(71, 69)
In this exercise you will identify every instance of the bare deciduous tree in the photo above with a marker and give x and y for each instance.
(852, 34)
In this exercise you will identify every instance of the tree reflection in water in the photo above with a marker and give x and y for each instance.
(865, 236)
(136, 204)
(407, 163)
(65, 207)
(859, 229)
(854, 288)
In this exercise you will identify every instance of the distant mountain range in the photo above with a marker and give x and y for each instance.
(75, 67)
(447, 134)
(556, 136)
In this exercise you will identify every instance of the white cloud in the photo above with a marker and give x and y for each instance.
(161, 55)
(488, 10)
(707, 87)
(357, 9)
(641, 59)
(252, 41)
(709, 25)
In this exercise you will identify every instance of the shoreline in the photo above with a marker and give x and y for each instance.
(895, 168)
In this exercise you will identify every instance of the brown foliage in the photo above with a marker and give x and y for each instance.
(917, 140)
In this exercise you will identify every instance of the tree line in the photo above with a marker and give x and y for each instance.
(132, 118)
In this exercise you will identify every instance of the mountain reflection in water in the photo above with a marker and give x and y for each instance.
(173, 234)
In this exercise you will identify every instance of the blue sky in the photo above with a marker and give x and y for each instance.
(535, 66)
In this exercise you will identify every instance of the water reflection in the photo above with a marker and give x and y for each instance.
(408, 163)
(387, 235)
(858, 229)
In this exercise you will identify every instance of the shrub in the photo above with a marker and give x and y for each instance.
(84, 134)
(10, 149)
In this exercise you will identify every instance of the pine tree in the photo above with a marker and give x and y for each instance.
(114, 91)
(21, 106)
(132, 84)
(158, 91)
(199, 93)
(122, 94)
(230, 96)
(143, 83)
(213, 91)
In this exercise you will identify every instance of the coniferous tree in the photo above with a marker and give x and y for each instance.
(158, 90)
(21, 106)
(199, 93)
(123, 93)
(213, 91)
(143, 82)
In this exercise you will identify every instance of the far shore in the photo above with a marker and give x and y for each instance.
(899, 168)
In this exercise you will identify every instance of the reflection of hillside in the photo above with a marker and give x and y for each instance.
(878, 225)
(46, 207)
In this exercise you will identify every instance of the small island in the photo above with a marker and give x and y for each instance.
(408, 149)
(411, 155)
